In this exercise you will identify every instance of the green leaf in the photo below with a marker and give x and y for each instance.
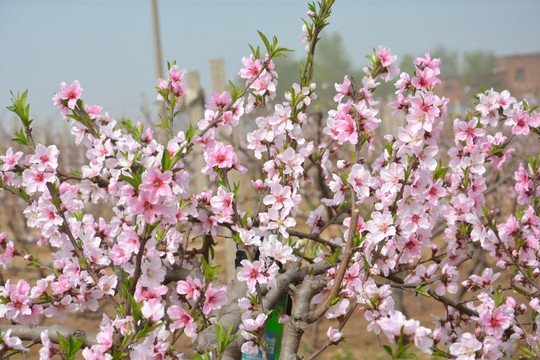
(422, 290)
(528, 353)
(236, 187)
(438, 352)
(388, 350)
(135, 308)
(20, 141)
(165, 160)
(407, 356)
(75, 345)
(209, 271)
(134, 180)
(266, 42)
(237, 239)
(373, 300)
(62, 342)
(224, 339)
(531, 161)
(498, 295)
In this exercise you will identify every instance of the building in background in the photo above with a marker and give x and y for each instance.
(521, 75)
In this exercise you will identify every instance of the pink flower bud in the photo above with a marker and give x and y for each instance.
(535, 304)
(283, 319)
(342, 164)
(311, 14)
(510, 301)
(478, 332)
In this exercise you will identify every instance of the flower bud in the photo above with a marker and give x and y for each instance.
(478, 332)
(342, 164)
(535, 304)
(510, 301)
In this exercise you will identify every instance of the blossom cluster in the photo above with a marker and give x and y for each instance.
(381, 201)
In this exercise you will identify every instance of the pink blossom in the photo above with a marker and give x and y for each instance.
(190, 288)
(12, 342)
(278, 220)
(219, 101)
(519, 123)
(9, 252)
(361, 181)
(183, 320)
(279, 197)
(468, 131)
(214, 298)
(395, 323)
(105, 337)
(333, 334)
(156, 183)
(150, 209)
(252, 273)
(93, 111)
(153, 272)
(448, 282)
(153, 309)
(35, 180)
(70, 94)
(497, 321)
(45, 353)
(315, 219)
(425, 79)
(380, 226)
(342, 89)
(338, 309)
(251, 68)
(221, 156)
(10, 160)
(388, 62)
(273, 248)
(466, 347)
(423, 339)
(345, 127)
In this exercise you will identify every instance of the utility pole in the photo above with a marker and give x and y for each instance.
(157, 39)
(157, 48)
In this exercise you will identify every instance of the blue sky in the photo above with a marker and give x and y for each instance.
(107, 44)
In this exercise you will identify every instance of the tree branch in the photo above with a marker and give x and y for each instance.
(33, 333)
(324, 305)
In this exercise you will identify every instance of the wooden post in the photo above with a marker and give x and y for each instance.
(217, 72)
(219, 85)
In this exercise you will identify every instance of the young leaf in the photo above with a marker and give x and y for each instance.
(266, 42)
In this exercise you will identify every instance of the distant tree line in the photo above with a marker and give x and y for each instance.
(476, 68)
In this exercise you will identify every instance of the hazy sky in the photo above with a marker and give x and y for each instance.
(107, 44)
